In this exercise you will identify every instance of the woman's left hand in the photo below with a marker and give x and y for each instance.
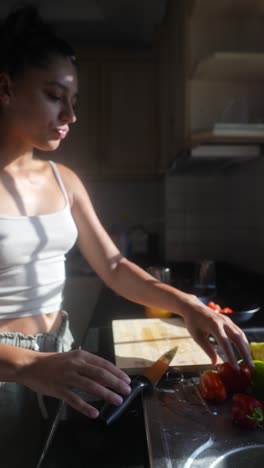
(202, 322)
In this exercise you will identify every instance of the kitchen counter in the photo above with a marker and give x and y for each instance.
(78, 441)
(83, 443)
(146, 434)
(185, 431)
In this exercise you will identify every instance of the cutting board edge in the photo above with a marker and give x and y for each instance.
(192, 369)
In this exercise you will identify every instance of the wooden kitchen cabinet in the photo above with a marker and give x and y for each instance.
(130, 119)
(224, 63)
(214, 69)
(116, 132)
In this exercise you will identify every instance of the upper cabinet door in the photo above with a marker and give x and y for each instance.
(116, 133)
(129, 131)
(225, 68)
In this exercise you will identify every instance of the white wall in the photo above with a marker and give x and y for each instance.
(247, 233)
(217, 216)
(196, 216)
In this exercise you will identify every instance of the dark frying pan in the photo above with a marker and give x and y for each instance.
(242, 316)
(243, 310)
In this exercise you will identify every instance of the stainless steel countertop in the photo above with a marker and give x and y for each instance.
(185, 431)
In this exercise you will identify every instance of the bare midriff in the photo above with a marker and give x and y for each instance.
(41, 323)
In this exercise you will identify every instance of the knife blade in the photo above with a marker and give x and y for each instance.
(110, 413)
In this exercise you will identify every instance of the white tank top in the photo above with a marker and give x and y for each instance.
(32, 260)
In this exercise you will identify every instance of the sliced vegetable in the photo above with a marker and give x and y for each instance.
(227, 310)
(218, 308)
(235, 380)
(211, 386)
(247, 411)
(214, 306)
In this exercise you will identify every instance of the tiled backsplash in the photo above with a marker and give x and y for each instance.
(247, 241)
(195, 210)
(216, 216)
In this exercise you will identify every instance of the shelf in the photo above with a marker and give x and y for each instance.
(231, 66)
(208, 136)
(236, 8)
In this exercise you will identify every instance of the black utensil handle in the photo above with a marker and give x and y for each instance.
(109, 413)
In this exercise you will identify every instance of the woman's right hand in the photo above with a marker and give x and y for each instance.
(59, 374)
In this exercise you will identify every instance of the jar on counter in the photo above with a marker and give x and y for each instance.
(163, 274)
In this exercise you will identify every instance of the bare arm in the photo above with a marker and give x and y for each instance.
(132, 282)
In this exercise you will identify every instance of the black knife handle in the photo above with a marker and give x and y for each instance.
(109, 413)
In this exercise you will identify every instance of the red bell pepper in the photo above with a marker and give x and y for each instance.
(218, 308)
(227, 310)
(214, 306)
(211, 386)
(235, 380)
(247, 411)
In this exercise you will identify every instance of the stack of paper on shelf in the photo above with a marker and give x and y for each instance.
(219, 150)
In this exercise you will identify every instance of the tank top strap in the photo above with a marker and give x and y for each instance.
(59, 180)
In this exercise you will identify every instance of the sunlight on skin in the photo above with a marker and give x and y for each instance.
(69, 78)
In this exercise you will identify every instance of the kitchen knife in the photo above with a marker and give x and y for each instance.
(109, 413)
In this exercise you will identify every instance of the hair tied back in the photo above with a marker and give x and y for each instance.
(22, 23)
(27, 40)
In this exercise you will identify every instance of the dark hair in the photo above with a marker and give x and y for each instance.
(27, 40)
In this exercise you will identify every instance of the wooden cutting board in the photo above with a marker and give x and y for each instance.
(140, 342)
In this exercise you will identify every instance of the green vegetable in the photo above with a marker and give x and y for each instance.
(258, 378)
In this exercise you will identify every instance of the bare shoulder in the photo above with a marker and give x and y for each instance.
(66, 173)
(73, 184)
(44, 166)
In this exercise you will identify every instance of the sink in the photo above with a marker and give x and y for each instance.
(241, 457)
(185, 431)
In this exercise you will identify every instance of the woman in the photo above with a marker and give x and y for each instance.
(44, 208)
